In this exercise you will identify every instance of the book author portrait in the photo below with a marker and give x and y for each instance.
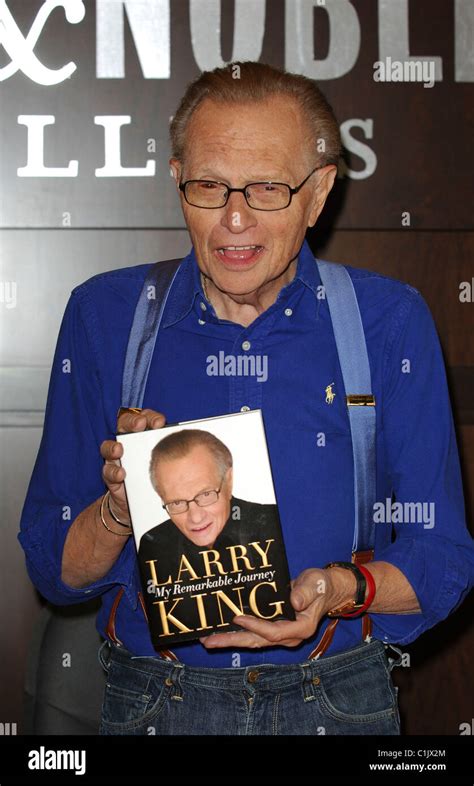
(210, 534)
(196, 464)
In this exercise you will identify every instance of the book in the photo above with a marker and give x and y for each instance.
(206, 526)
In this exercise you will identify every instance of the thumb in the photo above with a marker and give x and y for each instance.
(309, 586)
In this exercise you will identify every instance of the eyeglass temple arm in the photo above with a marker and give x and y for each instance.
(297, 188)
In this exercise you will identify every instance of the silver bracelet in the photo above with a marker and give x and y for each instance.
(121, 534)
(109, 508)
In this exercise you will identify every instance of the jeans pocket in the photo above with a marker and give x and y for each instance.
(360, 693)
(129, 709)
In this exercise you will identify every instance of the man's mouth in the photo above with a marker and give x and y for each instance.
(240, 253)
(202, 528)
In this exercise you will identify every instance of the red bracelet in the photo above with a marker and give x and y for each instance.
(370, 594)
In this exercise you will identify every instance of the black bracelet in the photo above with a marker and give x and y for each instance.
(359, 599)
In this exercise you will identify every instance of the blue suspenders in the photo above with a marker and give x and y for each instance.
(354, 362)
(146, 324)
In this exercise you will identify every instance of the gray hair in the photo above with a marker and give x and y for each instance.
(257, 82)
(180, 443)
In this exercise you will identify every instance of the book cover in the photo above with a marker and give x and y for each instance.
(206, 526)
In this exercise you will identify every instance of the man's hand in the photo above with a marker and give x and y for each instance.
(90, 550)
(111, 451)
(313, 594)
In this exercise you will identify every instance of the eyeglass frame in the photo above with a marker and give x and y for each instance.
(182, 187)
(217, 491)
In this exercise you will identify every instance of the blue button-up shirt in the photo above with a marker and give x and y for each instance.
(308, 438)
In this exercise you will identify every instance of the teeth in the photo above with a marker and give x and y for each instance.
(237, 248)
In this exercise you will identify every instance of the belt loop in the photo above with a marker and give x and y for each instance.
(174, 680)
(308, 683)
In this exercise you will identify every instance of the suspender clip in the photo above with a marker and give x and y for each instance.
(360, 400)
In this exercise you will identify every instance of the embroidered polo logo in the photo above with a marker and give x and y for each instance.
(330, 394)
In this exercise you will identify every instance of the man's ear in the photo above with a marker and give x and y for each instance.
(327, 177)
(175, 170)
(229, 478)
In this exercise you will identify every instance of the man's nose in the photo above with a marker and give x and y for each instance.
(196, 514)
(238, 216)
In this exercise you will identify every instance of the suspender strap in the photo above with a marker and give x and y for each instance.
(355, 368)
(354, 362)
(141, 343)
(146, 323)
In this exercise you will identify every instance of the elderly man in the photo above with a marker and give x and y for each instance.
(254, 159)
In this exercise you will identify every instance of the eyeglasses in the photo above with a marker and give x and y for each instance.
(211, 194)
(203, 499)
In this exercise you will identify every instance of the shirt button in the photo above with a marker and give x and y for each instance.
(245, 408)
(246, 345)
(203, 306)
(288, 312)
(201, 321)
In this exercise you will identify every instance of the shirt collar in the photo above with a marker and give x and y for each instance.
(307, 268)
(187, 286)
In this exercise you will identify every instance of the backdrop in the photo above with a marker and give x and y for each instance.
(87, 92)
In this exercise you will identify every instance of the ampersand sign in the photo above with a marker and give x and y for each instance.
(21, 48)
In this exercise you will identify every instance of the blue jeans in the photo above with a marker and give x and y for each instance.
(348, 693)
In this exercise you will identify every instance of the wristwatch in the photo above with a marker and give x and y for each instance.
(359, 599)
